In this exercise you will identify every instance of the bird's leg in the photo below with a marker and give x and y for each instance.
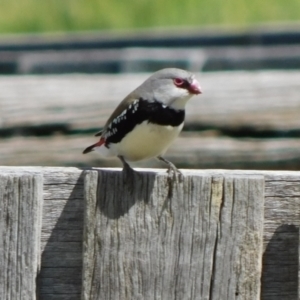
(172, 168)
(174, 177)
(126, 167)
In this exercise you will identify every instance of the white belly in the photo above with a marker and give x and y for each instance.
(145, 141)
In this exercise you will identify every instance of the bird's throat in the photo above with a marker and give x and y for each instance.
(179, 103)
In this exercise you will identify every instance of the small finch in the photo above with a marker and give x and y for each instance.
(148, 120)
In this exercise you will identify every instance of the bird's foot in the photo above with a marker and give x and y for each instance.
(174, 177)
(173, 173)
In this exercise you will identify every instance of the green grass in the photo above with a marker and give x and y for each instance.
(72, 15)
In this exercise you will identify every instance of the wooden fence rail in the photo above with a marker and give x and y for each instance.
(243, 120)
(68, 233)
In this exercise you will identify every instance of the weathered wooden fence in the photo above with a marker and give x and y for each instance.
(243, 120)
(68, 233)
(146, 51)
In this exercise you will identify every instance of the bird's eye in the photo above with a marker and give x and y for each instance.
(178, 81)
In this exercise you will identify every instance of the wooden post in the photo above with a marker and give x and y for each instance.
(147, 215)
(21, 199)
(201, 238)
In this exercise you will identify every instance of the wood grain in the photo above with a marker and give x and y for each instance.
(261, 100)
(63, 219)
(188, 151)
(244, 120)
(20, 230)
(61, 238)
(199, 239)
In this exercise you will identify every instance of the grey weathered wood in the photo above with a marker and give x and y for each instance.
(88, 248)
(282, 219)
(20, 230)
(188, 151)
(281, 235)
(199, 239)
(140, 59)
(256, 101)
(63, 223)
(261, 100)
(61, 240)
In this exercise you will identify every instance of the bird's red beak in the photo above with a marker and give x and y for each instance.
(195, 88)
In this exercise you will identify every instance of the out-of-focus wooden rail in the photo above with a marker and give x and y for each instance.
(210, 49)
(242, 120)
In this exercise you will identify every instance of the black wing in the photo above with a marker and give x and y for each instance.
(138, 112)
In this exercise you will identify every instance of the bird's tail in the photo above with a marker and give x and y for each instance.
(91, 148)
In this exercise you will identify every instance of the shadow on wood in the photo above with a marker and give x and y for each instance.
(203, 243)
(113, 189)
(281, 264)
(61, 260)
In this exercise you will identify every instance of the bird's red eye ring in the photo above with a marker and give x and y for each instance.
(178, 81)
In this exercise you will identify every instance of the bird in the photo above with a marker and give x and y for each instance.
(148, 120)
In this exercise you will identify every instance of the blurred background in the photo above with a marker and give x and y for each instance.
(65, 65)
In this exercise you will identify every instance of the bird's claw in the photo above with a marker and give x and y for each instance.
(174, 174)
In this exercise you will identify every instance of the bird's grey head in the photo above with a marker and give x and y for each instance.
(173, 87)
